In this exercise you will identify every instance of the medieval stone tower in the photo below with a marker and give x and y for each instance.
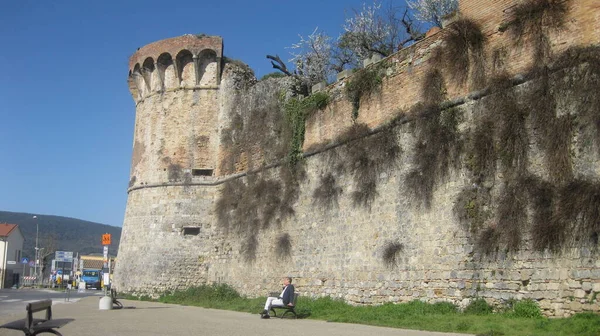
(175, 86)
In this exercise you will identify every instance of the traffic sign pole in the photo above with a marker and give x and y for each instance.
(105, 268)
(24, 261)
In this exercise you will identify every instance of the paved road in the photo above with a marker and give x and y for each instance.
(13, 301)
(151, 318)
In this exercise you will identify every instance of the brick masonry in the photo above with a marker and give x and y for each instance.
(335, 252)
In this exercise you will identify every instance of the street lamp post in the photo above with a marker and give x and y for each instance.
(40, 270)
(36, 247)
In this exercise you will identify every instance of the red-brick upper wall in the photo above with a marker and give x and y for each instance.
(174, 45)
(488, 13)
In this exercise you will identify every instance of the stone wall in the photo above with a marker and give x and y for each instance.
(363, 238)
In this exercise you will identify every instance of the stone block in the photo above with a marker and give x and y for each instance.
(376, 58)
(552, 286)
(344, 74)
(579, 293)
(318, 87)
(500, 285)
(575, 306)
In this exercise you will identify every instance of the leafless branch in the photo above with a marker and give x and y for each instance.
(280, 65)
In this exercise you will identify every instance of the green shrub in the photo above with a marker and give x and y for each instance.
(273, 75)
(214, 292)
(444, 308)
(478, 307)
(145, 298)
(526, 308)
(362, 84)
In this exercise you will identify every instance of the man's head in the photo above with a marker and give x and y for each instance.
(287, 281)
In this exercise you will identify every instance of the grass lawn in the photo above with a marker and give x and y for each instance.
(518, 318)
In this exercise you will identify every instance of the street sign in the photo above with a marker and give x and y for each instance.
(24, 260)
(105, 256)
(106, 239)
(63, 256)
(11, 262)
(32, 263)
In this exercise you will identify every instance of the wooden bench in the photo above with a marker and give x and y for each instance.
(287, 309)
(33, 326)
(113, 296)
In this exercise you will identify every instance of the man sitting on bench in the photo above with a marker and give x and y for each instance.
(284, 299)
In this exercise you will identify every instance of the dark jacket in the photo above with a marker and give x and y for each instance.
(288, 294)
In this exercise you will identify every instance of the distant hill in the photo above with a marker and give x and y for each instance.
(66, 234)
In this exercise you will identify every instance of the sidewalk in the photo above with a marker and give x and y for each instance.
(151, 318)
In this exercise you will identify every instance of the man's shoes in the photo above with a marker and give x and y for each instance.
(265, 314)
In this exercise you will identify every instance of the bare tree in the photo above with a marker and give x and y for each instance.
(49, 245)
(312, 57)
(371, 30)
(432, 11)
(279, 65)
(377, 30)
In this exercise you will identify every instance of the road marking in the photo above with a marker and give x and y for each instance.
(64, 302)
(12, 300)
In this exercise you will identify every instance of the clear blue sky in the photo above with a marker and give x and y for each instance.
(66, 113)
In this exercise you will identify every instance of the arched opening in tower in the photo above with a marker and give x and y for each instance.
(207, 60)
(133, 89)
(185, 67)
(138, 79)
(148, 73)
(166, 69)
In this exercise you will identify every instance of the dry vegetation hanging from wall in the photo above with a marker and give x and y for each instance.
(364, 155)
(266, 128)
(258, 134)
(530, 22)
(560, 98)
(463, 56)
(326, 194)
(391, 252)
(284, 246)
(582, 88)
(438, 143)
(248, 206)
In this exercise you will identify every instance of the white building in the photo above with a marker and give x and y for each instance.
(11, 245)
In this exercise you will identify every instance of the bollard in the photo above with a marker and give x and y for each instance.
(105, 303)
(67, 293)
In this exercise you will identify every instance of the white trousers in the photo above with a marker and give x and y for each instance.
(273, 301)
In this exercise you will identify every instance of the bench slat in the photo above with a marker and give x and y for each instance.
(37, 306)
(52, 324)
(20, 324)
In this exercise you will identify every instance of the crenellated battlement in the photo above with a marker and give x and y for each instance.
(184, 62)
